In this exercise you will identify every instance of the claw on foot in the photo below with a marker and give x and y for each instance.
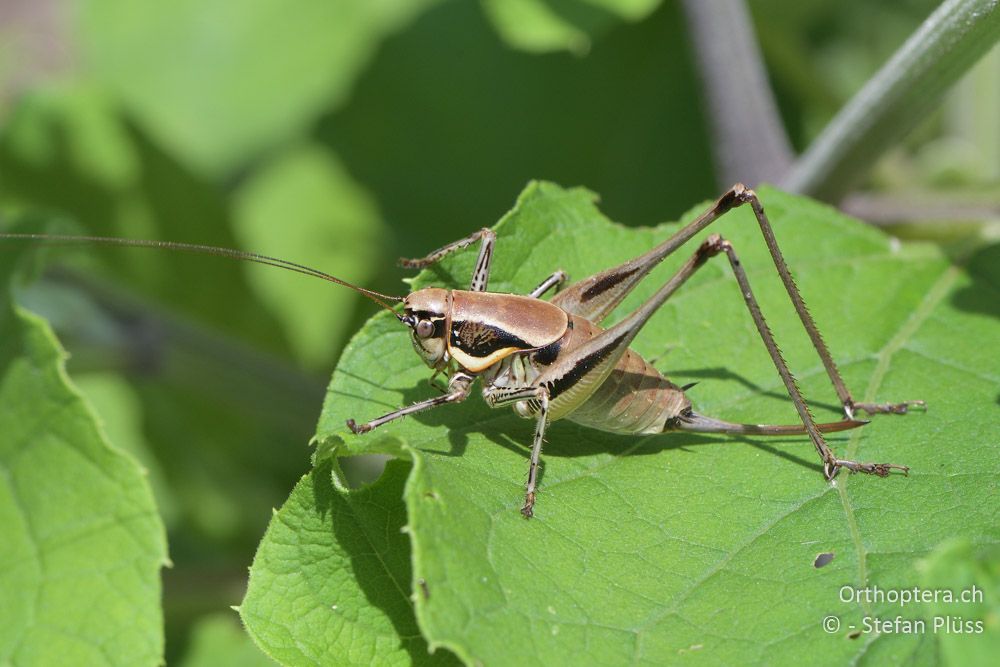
(529, 503)
(890, 408)
(883, 469)
(878, 469)
(357, 430)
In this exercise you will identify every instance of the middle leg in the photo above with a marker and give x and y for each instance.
(555, 280)
(497, 397)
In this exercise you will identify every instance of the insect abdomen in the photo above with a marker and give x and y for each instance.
(635, 398)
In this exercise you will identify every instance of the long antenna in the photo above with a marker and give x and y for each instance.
(377, 297)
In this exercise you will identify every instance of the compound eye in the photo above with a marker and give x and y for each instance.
(425, 328)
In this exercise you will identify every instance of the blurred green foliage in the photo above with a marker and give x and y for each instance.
(343, 134)
(83, 543)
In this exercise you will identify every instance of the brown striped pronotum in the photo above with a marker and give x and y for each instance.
(552, 360)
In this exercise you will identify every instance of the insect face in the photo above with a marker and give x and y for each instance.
(426, 313)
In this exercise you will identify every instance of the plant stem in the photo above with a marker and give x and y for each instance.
(897, 98)
(955, 208)
(749, 143)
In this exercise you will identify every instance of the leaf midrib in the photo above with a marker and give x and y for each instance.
(934, 296)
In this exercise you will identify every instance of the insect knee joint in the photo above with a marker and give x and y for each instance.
(711, 247)
(358, 429)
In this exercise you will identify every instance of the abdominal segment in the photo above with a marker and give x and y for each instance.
(635, 398)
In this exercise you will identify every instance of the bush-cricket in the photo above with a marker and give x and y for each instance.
(551, 360)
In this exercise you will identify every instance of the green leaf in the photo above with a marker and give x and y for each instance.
(203, 395)
(219, 641)
(82, 543)
(330, 582)
(524, 119)
(113, 182)
(74, 125)
(120, 409)
(304, 205)
(549, 25)
(533, 26)
(652, 548)
(958, 565)
(217, 82)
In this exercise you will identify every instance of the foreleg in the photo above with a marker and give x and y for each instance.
(458, 391)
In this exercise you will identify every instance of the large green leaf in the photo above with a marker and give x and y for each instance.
(645, 549)
(82, 543)
(304, 205)
(219, 641)
(217, 82)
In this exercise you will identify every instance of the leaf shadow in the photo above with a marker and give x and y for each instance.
(368, 399)
(442, 277)
(576, 443)
(722, 373)
(352, 528)
(570, 440)
(981, 296)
